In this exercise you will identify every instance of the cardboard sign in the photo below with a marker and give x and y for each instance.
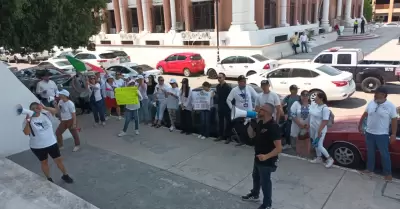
(201, 100)
(127, 95)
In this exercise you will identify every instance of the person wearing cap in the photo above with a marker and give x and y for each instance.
(111, 101)
(132, 112)
(160, 97)
(266, 137)
(172, 102)
(46, 89)
(224, 112)
(96, 101)
(287, 103)
(381, 129)
(67, 111)
(185, 104)
(271, 97)
(243, 95)
(144, 113)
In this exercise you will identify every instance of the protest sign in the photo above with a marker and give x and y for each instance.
(201, 100)
(127, 95)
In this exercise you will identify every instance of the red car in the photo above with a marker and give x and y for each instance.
(347, 146)
(186, 63)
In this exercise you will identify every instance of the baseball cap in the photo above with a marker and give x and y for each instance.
(381, 89)
(173, 80)
(293, 87)
(264, 82)
(140, 77)
(64, 92)
(241, 78)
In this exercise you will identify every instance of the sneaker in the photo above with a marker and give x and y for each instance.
(96, 124)
(122, 134)
(76, 148)
(219, 139)
(67, 179)
(50, 179)
(119, 118)
(329, 163)
(203, 137)
(251, 198)
(183, 132)
(137, 132)
(388, 178)
(199, 136)
(107, 118)
(229, 140)
(171, 129)
(61, 147)
(103, 123)
(239, 144)
(316, 160)
(287, 146)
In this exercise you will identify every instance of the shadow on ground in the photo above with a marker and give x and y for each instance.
(349, 103)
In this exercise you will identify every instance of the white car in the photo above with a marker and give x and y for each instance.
(336, 84)
(129, 69)
(234, 66)
(63, 54)
(104, 58)
(62, 64)
(391, 25)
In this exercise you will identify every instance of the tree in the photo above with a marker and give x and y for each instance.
(39, 25)
(367, 10)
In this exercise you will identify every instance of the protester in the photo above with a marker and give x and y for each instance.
(299, 112)
(206, 113)
(224, 112)
(243, 95)
(288, 102)
(294, 41)
(42, 141)
(144, 113)
(46, 89)
(111, 101)
(79, 85)
(265, 133)
(271, 97)
(381, 129)
(303, 42)
(186, 107)
(319, 119)
(172, 102)
(151, 86)
(96, 101)
(132, 113)
(362, 25)
(160, 96)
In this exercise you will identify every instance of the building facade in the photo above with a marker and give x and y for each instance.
(387, 10)
(240, 22)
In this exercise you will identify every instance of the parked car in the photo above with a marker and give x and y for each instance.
(31, 57)
(12, 69)
(63, 54)
(123, 56)
(391, 25)
(336, 84)
(104, 58)
(234, 66)
(369, 74)
(61, 64)
(182, 63)
(129, 69)
(3, 54)
(31, 76)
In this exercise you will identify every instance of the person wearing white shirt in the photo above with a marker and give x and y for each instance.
(270, 97)
(96, 101)
(303, 42)
(172, 102)
(144, 113)
(111, 101)
(46, 89)
(319, 119)
(381, 129)
(43, 142)
(160, 96)
(299, 112)
(186, 107)
(119, 80)
(205, 113)
(132, 113)
(244, 95)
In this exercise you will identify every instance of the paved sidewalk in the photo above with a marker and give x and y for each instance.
(159, 169)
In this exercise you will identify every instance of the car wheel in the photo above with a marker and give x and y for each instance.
(250, 73)
(16, 60)
(313, 94)
(186, 72)
(212, 74)
(30, 60)
(370, 84)
(161, 70)
(346, 155)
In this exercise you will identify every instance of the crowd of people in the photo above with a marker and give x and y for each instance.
(303, 119)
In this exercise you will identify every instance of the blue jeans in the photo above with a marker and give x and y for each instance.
(144, 113)
(262, 179)
(288, 127)
(129, 116)
(98, 110)
(205, 122)
(382, 143)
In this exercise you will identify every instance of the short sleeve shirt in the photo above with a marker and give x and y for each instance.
(266, 134)
(42, 133)
(379, 117)
(66, 109)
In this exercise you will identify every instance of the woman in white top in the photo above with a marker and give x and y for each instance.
(300, 116)
(132, 113)
(111, 102)
(160, 97)
(319, 119)
(186, 107)
(205, 113)
(96, 101)
(172, 102)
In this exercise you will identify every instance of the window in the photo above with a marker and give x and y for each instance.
(63, 63)
(44, 63)
(196, 57)
(329, 70)
(125, 70)
(152, 42)
(229, 60)
(81, 56)
(135, 21)
(281, 38)
(158, 18)
(281, 73)
(171, 58)
(302, 73)
(324, 58)
(242, 60)
(142, 68)
(120, 53)
(260, 57)
(107, 56)
(54, 72)
(181, 57)
(113, 69)
(269, 13)
(344, 59)
(203, 15)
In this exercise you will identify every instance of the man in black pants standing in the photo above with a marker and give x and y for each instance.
(266, 136)
(224, 112)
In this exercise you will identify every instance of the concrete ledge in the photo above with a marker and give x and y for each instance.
(22, 189)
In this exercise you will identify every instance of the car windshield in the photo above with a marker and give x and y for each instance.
(63, 63)
(143, 68)
(196, 57)
(107, 56)
(120, 53)
(329, 70)
(259, 57)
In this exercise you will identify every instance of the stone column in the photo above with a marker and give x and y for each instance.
(390, 14)
(117, 16)
(122, 12)
(362, 8)
(297, 13)
(167, 16)
(186, 14)
(284, 5)
(102, 14)
(243, 16)
(139, 14)
(339, 9)
(145, 16)
(347, 14)
(173, 15)
(325, 15)
(316, 14)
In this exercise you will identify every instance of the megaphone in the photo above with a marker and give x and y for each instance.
(238, 113)
(22, 111)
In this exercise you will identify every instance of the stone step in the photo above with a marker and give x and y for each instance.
(357, 37)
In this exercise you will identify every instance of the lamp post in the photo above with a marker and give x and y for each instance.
(217, 26)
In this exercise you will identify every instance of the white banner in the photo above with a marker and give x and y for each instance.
(201, 100)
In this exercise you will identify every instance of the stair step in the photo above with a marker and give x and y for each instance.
(357, 37)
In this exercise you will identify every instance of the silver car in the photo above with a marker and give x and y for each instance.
(130, 69)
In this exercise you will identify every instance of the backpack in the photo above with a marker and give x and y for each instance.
(331, 120)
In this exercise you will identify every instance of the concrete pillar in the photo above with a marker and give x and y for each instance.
(347, 14)
(104, 23)
(390, 14)
(325, 15)
(139, 14)
(243, 16)
(362, 8)
(339, 9)
(150, 15)
(297, 14)
(122, 12)
(186, 14)
(316, 12)
(145, 16)
(167, 16)
(117, 16)
(173, 15)
(283, 11)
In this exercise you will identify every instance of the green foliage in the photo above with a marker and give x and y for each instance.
(367, 10)
(38, 25)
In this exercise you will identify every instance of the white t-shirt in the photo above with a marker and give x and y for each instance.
(243, 98)
(97, 91)
(66, 109)
(186, 101)
(303, 38)
(302, 113)
(159, 93)
(271, 97)
(119, 83)
(172, 101)
(46, 89)
(379, 117)
(135, 106)
(42, 134)
(110, 90)
(318, 113)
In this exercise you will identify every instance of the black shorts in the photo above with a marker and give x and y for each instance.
(43, 153)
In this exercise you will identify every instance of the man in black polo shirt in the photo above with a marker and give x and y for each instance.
(265, 133)
(224, 112)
